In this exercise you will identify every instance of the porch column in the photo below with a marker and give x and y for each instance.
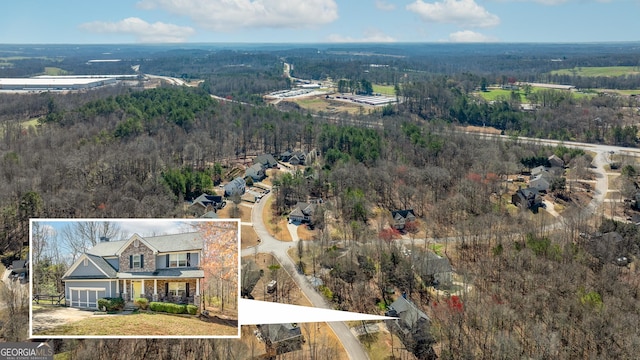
(142, 287)
(124, 288)
(196, 297)
(155, 289)
(118, 287)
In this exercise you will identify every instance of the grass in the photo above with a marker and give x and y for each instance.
(599, 71)
(277, 227)
(243, 211)
(142, 324)
(304, 233)
(248, 236)
(384, 89)
(494, 94)
(437, 248)
(54, 71)
(316, 104)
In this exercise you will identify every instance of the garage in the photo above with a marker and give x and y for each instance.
(85, 297)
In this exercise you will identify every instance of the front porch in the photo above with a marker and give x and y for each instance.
(178, 291)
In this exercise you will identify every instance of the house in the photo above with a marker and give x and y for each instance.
(542, 181)
(206, 202)
(267, 161)
(434, 270)
(538, 170)
(412, 327)
(18, 268)
(401, 217)
(298, 158)
(159, 268)
(255, 172)
(285, 156)
(235, 187)
(527, 197)
(302, 213)
(555, 161)
(281, 338)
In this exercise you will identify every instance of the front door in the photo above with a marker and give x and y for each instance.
(136, 289)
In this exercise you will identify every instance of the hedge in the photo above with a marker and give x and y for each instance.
(141, 303)
(111, 304)
(173, 308)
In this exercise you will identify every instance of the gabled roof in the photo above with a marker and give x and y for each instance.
(266, 160)
(163, 243)
(205, 200)
(431, 263)
(407, 311)
(303, 209)
(101, 264)
(279, 332)
(402, 213)
(131, 240)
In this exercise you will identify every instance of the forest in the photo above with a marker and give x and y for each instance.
(538, 292)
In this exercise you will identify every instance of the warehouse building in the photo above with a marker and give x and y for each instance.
(54, 83)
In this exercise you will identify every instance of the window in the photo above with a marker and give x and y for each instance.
(85, 262)
(136, 261)
(136, 243)
(178, 289)
(178, 260)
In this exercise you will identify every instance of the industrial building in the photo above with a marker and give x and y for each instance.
(54, 83)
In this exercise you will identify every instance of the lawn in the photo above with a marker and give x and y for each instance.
(277, 227)
(384, 89)
(244, 213)
(304, 233)
(248, 236)
(599, 71)
(143, 324)
(54, 71)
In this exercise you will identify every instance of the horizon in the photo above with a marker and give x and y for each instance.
(319, 21)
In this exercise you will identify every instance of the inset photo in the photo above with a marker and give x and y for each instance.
(134, 278)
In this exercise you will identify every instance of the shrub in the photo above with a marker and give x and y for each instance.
(192, 309)
(171, 308)
(141, 303)
(111, 304)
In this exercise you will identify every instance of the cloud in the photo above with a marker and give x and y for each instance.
(385, 6)
(227, 15)
(371, 36)
(142, 30)
(459, 12)
(467, 36)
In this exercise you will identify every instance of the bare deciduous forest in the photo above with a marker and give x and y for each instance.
(525, 286)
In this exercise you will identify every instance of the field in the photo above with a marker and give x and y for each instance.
(319, 103)
(494, 94)
(54, 71)
(384, 89)
(248, 236)
(599, 71)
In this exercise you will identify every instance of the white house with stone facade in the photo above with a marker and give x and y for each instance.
(159, 268)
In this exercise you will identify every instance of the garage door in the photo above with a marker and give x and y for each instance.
(86, 297)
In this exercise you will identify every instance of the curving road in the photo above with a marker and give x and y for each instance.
(269, 244)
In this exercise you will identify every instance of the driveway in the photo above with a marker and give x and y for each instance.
(53, 317)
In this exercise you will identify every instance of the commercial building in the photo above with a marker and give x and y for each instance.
(54, 83)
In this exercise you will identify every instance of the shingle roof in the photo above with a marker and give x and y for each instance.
(408, 312)
(403, 213)
(164, 243)
(168, 273)
(103, 265)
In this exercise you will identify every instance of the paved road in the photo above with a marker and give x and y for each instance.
(269, 244)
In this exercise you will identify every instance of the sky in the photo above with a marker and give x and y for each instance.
(316, 21)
